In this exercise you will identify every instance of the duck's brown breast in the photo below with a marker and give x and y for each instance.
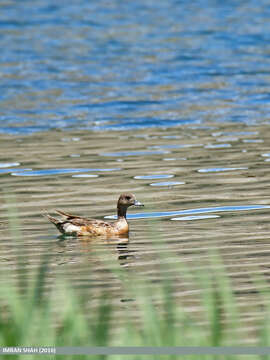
(121, 226)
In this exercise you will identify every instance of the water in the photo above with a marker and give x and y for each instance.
(151, 177)
(167, 183)
(101, 98)
(122, 65)
(221, 210)
(221, 169)
(48, 172)
(160, 214)
(195, 217)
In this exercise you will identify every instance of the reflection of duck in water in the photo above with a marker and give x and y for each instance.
(76, 225)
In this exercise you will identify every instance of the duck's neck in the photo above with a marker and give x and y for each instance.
(121, 212)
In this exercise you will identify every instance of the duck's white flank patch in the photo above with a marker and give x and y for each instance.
(69, 228)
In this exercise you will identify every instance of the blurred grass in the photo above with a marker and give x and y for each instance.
(28, 316)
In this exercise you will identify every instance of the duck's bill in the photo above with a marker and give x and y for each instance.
(137, 203)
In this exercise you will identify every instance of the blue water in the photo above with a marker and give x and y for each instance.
(124, 65)
(195, 217)
(221, 169)
(168, 183)
(11, 170)
(160, 214)
(48, 172)
(154, 176)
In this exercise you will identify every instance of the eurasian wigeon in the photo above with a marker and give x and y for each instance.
(77, 225)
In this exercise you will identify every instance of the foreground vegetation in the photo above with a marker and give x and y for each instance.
(28, 315)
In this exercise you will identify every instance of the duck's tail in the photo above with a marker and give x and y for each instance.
(58, 223)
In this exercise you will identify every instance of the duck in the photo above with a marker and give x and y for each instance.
(80, 226)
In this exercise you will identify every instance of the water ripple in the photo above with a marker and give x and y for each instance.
(47, 172)
(174, 146)
(253, 141)
(135, 153)
(172, 159)
(221, 169)
(6, 171)
(160, 214)
(7, 165)
(217, 146)
(150, 177)
(84, 176)
(168, 183)
(200, 217)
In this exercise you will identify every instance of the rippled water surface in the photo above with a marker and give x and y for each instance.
(227, 211)
(169, 100)
(127, 65)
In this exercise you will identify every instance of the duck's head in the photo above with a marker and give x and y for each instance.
(128, 199)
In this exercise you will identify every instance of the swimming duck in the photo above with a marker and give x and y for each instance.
(76, 225)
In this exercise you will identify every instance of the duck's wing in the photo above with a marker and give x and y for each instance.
(79, 221)
(66, 215)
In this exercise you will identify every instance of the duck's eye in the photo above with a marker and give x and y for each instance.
(128, 197)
